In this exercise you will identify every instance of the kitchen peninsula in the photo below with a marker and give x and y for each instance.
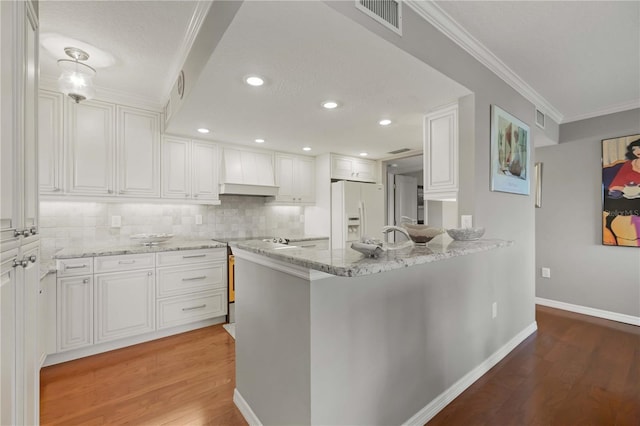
(332, 337)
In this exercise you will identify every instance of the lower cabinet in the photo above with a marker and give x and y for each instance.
(107, 298)
(124, 303)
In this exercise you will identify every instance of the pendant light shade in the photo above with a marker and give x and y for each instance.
(76, 80)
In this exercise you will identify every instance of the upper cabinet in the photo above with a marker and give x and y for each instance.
(138, 148)
(441, 154)
(295, 177)
(190, 170)
(350, 168)
(50, 142)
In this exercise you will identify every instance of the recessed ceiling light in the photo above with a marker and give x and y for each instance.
(259, 140)
(330, 104)
(254, 80)
(384, 122)
(364, 154)
(306, 148)
(203, 130)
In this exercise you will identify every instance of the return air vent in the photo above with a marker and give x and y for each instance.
(399, 151)
(387, 12)
(540, 117)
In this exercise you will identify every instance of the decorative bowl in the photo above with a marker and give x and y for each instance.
(421, 234)
(466, 234)
(151, 239)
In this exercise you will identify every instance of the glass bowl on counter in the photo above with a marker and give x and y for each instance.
(421, 234)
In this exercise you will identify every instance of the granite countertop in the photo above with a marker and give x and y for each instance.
(111, 250)
(292, 239)
(350, 263)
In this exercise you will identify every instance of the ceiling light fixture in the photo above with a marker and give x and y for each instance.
(259, 140)
(203, 130)
(364, 154)
(306, 148)
(254, 80)
(384, 122)
(330, 104)
(76, 80)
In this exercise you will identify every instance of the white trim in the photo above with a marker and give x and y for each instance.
(444, 23)
(245, 409)
(626, 106)
(585, 310)
(441, 401)
(198, 17)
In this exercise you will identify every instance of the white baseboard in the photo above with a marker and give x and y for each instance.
(245, 409)
(441, 401)
(613, 316)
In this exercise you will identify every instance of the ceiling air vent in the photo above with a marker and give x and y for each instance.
(387, 12)
(399, 151)
(540, 118)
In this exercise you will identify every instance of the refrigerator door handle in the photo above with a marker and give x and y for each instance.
(362, 219)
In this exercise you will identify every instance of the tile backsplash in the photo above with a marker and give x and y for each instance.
(64, 224)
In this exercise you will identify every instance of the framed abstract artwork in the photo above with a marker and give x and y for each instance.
(510, 153)
(621, 191)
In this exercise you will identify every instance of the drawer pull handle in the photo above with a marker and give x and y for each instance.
(75, 267)
(195, 278)
(194, 307)
(193, 255)
(126, 262)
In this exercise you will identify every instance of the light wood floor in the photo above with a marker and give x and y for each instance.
(576, 370)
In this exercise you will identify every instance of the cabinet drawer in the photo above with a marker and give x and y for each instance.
(185, 309)
(178, 280)
(185, 257)
(124, 262)
(71, 267)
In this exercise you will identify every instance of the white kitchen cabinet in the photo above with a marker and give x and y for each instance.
(90, 140)
(441, 154)
(189, 170)
(124, 304)
(350, 168)
(295, 178)
(204, 161)
(50, 142)
(138, 148)
(74, 312)
(9, 351)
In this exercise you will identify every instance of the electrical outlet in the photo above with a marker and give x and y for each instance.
(546, 272)
(198, 219)
(116, 221)
(494, 310)
(466, 221)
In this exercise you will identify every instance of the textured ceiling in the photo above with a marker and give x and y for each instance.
(583, 57)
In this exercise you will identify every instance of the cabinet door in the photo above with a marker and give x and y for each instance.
(75, 312)
(364, 170)
(8, 348)
(29, 320)
(285, 177)
(91, 147)
(30, 190)
(304, 180)
(138, 152)
(124, 304)
(50, 142)
(205, 170)
(176, 177)
(441, 154)
(341, 167)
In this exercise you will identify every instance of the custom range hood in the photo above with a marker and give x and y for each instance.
(247, 173)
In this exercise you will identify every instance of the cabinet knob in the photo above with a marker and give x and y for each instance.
(149, 273)
(109, 191)
(33, 230)
(56, 189)
(85, 281)
(195, 196)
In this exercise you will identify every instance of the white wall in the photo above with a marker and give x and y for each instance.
(569, 225)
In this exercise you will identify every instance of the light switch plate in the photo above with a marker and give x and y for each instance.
(116, 221)
(466, 221)
(546, 272)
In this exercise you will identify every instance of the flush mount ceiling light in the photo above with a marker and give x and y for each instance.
(330, 104)
(76, 80)
(364, 154)
(306, 148)
(384, 122)
(259, 140)
(254, 80)
(203, 130)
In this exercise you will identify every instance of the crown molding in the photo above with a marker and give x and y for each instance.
(625, 106)
(444, 23)
(110, 95)
(197, 19)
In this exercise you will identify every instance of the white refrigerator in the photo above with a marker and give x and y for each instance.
(357, 210)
